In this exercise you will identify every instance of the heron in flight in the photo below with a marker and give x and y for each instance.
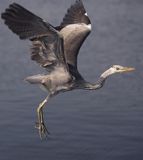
(56, 50)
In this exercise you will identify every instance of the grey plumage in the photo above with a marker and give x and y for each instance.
(24, 23)
(74, 28)
(56, 49)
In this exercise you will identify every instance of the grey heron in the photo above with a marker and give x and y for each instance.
(56, 49)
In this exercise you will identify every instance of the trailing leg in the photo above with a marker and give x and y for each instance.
(40, 125)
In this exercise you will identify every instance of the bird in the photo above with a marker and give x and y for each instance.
(56, 50)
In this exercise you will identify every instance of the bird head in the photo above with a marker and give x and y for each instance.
(120, 69)
(116, 69)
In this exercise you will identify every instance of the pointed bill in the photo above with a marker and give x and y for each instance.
(127, 69)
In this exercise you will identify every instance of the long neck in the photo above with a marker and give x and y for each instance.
(100, 82)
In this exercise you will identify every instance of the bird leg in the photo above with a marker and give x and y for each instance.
(40, 125)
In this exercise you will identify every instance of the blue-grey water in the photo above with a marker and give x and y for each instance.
(85, 125)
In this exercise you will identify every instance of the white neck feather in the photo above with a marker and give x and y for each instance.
(108, 72)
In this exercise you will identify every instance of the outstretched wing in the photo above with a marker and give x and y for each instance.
(24, 23)
(75, 28)
(47, 48)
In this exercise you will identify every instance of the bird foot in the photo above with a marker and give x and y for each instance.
(43, 132)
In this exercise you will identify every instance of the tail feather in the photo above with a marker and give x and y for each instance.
(36, 79)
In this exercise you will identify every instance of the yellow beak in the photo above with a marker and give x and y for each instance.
(127, 69)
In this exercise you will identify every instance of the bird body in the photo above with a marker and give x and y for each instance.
(54, 81)
(56, 50)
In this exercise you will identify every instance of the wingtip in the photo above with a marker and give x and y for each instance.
(79, 2)
(2, 15)
(14, 4)
(5, 14)
(7, 10)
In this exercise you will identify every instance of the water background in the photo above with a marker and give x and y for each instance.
(85, 125)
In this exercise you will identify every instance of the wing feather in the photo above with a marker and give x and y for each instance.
(24, 23)
(75, 27)
(75, 14)
(47, 43)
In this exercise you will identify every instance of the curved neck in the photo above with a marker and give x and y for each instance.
(97, 85)
(100, 82)
(107, 73)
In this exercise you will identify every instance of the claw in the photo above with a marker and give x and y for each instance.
(40, 125)
(43, 131)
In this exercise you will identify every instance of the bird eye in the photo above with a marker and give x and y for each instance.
(117, 68)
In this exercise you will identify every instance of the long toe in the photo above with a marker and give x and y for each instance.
(43, 131)
(37, 125)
